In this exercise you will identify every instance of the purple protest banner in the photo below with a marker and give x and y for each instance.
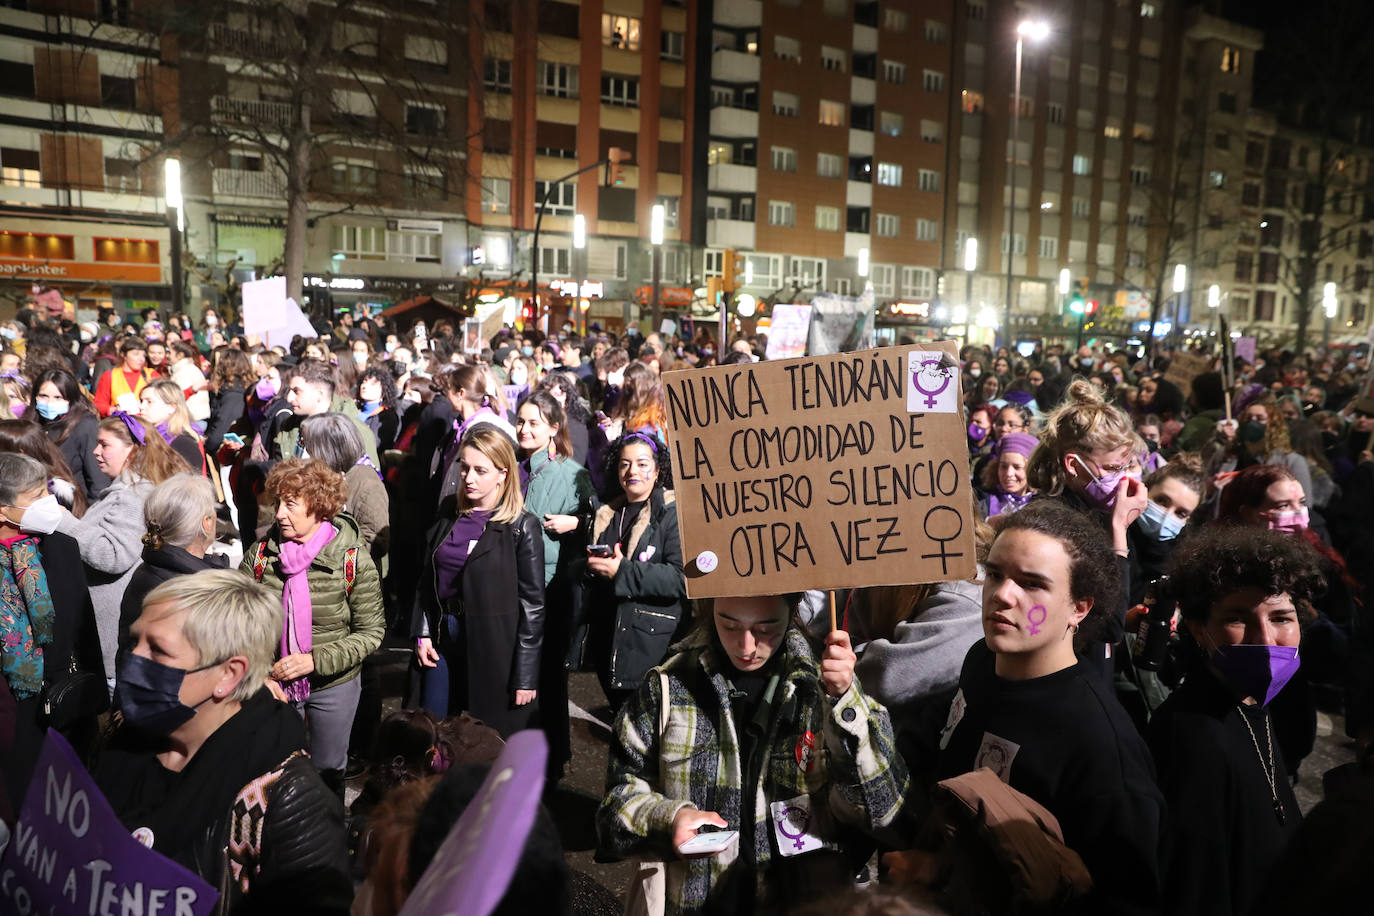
(471, 870)
(70, 854)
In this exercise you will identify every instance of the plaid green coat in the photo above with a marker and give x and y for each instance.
(858, 779)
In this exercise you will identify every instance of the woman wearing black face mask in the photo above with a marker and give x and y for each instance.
(205, 753)
(1260, 436)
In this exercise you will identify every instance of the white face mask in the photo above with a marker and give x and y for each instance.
(615, 379)
(211, 321)
(41, 516)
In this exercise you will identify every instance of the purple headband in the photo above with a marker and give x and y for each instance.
(643, 437)
(135, 426)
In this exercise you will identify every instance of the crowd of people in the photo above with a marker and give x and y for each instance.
(210, 545)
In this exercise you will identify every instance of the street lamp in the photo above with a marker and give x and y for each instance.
(970, 265)
(580, 245)
(1035, 31)
(1330, 305)
(863, 262)
(656, 239)
(171, 188)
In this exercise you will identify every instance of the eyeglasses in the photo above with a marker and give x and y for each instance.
(1009, 424)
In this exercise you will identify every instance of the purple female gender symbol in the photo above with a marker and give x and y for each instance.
(804, 818)
(930, 395)
(1035, 622)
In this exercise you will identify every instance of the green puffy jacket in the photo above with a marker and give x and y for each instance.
(347, 625)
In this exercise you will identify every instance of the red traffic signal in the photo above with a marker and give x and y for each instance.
(1090, 307)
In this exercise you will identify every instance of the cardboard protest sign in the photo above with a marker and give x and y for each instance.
(490, 317)
(270, 314)
(840, 323)
(1184, 367)
(787, 333)
(70, 853)
(472, 869)
(821, 472)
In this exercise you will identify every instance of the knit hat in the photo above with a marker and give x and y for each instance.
(1019, 443)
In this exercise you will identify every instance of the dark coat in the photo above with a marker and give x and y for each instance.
(502, 617)
(643, 605)
(226, 406)
(78, 450)
(159, 565)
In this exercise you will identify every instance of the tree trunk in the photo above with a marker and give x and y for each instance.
(297, 213)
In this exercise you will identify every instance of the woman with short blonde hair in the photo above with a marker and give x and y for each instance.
(163, 405)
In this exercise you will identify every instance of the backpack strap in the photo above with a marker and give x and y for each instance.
(260, 560)
(350, 569)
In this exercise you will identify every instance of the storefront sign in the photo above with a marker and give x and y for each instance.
(667, 295)
(79, 270)
(910, 309)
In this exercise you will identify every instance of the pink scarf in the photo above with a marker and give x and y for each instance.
(295, 601)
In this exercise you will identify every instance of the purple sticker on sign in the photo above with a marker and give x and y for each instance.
(473, 867)
(70, 853)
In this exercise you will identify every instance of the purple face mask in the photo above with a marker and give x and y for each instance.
(266, 389)
(1101, 491)
(977, 433)
(1257, 671)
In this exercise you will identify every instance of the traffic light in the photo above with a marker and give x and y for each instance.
(1078, 296)
(615, 168)
(734, 269)
(1090, 307)
(713, 291)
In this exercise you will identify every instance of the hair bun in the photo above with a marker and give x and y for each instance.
(1085, 393)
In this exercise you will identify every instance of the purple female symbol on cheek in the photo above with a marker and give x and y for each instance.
(1036, 618)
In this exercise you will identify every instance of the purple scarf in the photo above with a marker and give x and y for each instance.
(295, 601)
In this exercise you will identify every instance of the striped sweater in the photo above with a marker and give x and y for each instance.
(855, 778)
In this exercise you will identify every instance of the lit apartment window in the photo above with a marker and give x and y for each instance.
(671, 44)
(559, 80)
(894, 20)
(828, 165)
(1082, 207)
(831, 113)
(496, 75)
(970, 101)
(19, 168)
(884, 277)
(785, 48)
(620, 31)
(784, 159)
(889, 174)
(928, 180)
(1143, 133)
(781, 213)
(918, 282)
(563, 200)
(496, 195)
(786, 104)
(1082, 165)
(828, 219)
(890, 123)
(932, 131)
(1230, 60)
(1140, 175)
(1216, 179)
(832, 58)
(887, 225)
(1149, 11)
(622, 91)
(894, 71)
(1112, 129)
(927, 230)
(935, 31)
(933, 81)
(1049, 246)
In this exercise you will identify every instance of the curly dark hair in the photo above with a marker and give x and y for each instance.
(1223, 559)
(611, 465)
(1092, 564)
(385, 379)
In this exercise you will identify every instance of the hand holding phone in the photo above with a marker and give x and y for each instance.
(604, 551)
(234, 439)
(708, 844)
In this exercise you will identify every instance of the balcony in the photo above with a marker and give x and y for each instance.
(739, 13)
(244, 43)
(732, 177)
(268, 183)
(734, 66)
(734, 122)
(252, 111)
(730, 233)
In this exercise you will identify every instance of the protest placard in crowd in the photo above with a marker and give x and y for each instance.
(821, 472)
(70, 853)
(788, 331)
(1184, 367)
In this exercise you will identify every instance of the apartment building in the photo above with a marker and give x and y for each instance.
(562, 84)
(81, 205)
(827, 126)
(378, 115)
